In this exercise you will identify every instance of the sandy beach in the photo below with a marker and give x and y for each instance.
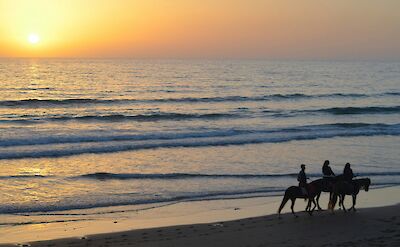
(232, 223)
(368, 227)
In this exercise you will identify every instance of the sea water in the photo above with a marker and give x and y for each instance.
(80, 133)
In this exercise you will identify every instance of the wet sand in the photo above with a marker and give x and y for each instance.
(367, 227)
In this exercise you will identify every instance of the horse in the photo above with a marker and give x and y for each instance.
(343, 188)
(294, 192)
(327, 186)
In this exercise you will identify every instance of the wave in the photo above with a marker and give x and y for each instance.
(167, 116)
(45, 140)
(189, 196)
(393, 93)
(23, 176)
(86, 101)
(43, 209)
(41, 222)
(143, 117)
(173, 116)
(111, 144)
(172, 176)
(176, 176)
(359, 110)
(44, 102)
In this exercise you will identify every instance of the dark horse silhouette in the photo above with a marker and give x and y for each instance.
(343, 188)
(294, 192)
(327, 186)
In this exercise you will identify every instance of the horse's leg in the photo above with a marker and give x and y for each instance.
(354, 202)
(332, 202)
(284, 201)
(317, 199)
(292, 206)
(308, 208)
(342, 202)
(330, 198)
(315, 205)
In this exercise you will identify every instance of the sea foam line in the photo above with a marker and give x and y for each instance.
(176, 176)
(71, 139)
(175, 116)
(234, 98)
(256, 137)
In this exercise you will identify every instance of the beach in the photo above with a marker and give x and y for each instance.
(234, 222)
(369, 227)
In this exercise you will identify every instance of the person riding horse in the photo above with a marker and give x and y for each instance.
(302, 178)
(328, 174)
(348, 174)
(326, 169)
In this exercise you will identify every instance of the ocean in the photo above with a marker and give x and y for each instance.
(89, 133)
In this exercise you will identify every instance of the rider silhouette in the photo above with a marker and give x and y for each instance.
(348, 174)
(328, 174)
(302, 178)
(326, 170)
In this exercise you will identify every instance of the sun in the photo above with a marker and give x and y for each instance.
(33, 38)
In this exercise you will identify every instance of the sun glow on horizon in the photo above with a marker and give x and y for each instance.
(188, 28)
(33, 38)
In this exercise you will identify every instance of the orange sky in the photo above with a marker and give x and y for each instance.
(201, 28)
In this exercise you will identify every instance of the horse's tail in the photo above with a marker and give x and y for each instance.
(284, 201)
(332, 202)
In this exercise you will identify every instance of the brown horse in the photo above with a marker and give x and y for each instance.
(327, 186)
(294, 192)
(343, 188)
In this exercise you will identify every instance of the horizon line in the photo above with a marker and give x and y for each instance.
(212, 58)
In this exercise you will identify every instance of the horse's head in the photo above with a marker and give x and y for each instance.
(366, 183)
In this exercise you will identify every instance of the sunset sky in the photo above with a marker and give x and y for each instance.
(337, 29)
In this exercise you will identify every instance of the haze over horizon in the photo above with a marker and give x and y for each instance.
(270, 29)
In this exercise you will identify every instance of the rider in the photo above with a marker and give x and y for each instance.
(327, 172)
(348, 173)
(302, 178)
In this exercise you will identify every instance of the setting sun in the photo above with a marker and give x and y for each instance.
(33, 38)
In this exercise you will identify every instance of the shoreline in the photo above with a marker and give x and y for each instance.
(183, 215)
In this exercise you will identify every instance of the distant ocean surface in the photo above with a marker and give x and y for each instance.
(80, 134)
